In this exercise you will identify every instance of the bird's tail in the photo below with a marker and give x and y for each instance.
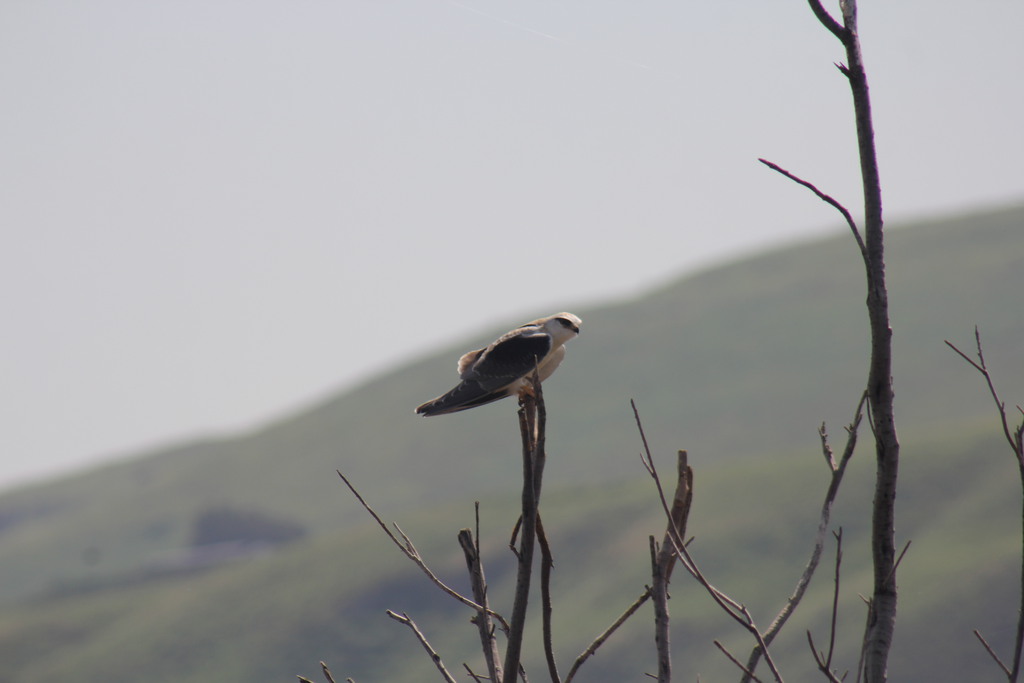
(464, 396)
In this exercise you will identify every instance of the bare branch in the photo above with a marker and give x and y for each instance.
(731, 607)
(659, 591)
(329, 677)
(600, 640)
(532, 418)
(436, 658)
(822, 663)
(835, 598)
(737, 611)
(747, 673)
(827, 21)
(993, 654)
(754, 631)
(547, 562)
(681, 502)
(982, 367)
(1015, 438)
(478, 582)
(826, 449)
(838, 469)
(825, 198)
(473, 675)
(663, 559)
(899, 558)
(409, 550)
(882, 622)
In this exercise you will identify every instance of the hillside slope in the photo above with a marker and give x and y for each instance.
(738, 364)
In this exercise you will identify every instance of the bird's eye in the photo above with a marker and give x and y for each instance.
(570, 324)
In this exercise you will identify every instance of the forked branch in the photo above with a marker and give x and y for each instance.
(735, 610)
(1015, 438)
(478, 582)
(410, 551)
(837, 469)
(824, 659)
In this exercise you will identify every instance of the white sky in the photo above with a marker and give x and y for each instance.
(215, 211)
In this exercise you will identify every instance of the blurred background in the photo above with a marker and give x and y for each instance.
(243, 240)
(216, 213)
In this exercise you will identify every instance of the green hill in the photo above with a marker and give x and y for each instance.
(738, 364)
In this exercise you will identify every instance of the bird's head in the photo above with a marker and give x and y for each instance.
(562, 326)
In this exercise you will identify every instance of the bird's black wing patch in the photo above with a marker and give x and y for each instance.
(510, 359)
(465, 395)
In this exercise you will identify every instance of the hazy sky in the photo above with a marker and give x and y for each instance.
(214, 212)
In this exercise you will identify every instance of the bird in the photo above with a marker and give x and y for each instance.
(503, 367)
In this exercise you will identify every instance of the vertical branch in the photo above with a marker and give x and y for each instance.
(882, 613)
(547, 563)
(532, 418)
(824, 660)
(880, 389)
(484, 624)
(663, 559)
(1015, 672)
(659, 593)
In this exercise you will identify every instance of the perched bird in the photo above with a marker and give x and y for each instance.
(503, 368)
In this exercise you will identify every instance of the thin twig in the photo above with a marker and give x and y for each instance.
(747, 673)
(1015, 438)
(737, 611)
(824, 662)
(473, 675)
(327, 675)
(899, 558)
(861, 660)
(600, 640)
(409, 550)
(982, 367)
(835, 597)
(838, 469)
(825, 198)
(436, 658)
(754, 631)
(992, 652)
(731, 607)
